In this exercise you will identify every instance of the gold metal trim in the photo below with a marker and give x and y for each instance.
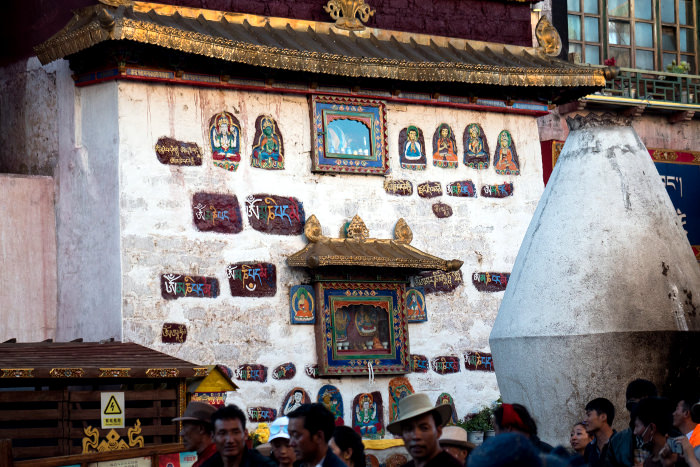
(16, 372)
(67, 372)
(162, 372)
(114, 372)
(202, 371)
(112, 441)
(345, 12)
(548, 37)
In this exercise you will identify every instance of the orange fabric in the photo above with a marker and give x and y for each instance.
(695, 436)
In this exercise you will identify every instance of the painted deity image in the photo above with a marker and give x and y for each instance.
(367, 416)
(476, 149)
(398, 389)
(330, 397)
(361, 329)
(412, 148)
(294, 400)
(415, 305)
(302, 305)
(267, 151)
(505, 159)
(445, 398)
(224, 139)
(444, 147)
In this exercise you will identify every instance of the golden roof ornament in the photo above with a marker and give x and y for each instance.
(344, 12)
(118, 3)
(402, 232)
(548, 37)
(357, 229)
(312, 229)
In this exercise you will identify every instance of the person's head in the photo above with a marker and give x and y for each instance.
(681, 415)
(600, 413)
(412, 133)
(230, 434)
(636, 391)
(310, 428)
(196, 426)
(579, 437)
(279, 439)
(298, 396)
(653, 420)
(347, 445)
(444, 131)
(513, 418)
(454, 441)
(420, 425)
(504, 139)
(473, 131)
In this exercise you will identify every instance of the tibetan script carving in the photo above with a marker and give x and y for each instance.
(478, 361)
(429, 189)
(251, 372)
(445, 365)
(464, 188)
(490, 281)
(311, 371)
(275, 214)
(216, 213)
(261, 414)
(173, 286)
(419, 364)
(173, 152)
(442, 210)
(438, 281)
(497, 191)
(398, 187)
(252, 279)
(285, 371)
(173, 333)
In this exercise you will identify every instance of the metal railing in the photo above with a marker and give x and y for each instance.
(654, 85)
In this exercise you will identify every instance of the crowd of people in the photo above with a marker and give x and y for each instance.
(660, 433)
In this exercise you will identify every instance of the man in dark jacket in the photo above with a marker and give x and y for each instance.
(230, 437)
(197, 433)
(420, 425)
(310, 429)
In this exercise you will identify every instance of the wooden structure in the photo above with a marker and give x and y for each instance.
(50, 396)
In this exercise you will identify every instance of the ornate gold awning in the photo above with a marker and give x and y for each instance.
(314, 47)
(359, 250)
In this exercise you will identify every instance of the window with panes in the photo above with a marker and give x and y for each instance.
(643, 34)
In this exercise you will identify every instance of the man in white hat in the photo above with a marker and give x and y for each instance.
(197, 433)
(420, 426)
(454, 441)
(279, 439)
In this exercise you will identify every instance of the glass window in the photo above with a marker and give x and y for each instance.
(642, 9)
(685, 12)
(668, 38)
(690, 60)
(573, 5)
(591, 30)
(574, 28)
(619, 32)
(575, 48)
(619, 8)
(590, 6)
(644, 34)
(622, 56)
(644, 59)
(668, 59)
(593, 55)
(668, 11)
(687, 43)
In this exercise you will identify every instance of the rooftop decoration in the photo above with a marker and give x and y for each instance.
(358, 249)
(319, 47)
(345, 12)
(547, 37)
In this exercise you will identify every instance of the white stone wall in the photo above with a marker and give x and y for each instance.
(158, 236)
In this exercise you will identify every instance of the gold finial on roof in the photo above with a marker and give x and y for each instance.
(344, 12)
(402, 232)
(357, 229)
(312, 229)
(118, 3)
(548, 37)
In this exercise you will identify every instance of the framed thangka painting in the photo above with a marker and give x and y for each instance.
(225, 140)
(412, 148)
(361, 325)
(268, 148)
(444, 147)
(349, 135)
(415, 305)
(476, 149)
(505, 158)
(301, 304)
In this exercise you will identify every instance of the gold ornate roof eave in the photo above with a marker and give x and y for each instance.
(66, 43)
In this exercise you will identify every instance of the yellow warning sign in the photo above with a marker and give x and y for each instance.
(112, 407)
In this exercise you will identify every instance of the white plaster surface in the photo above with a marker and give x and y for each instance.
(27, 258)
(158, 236)
(603, 287)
